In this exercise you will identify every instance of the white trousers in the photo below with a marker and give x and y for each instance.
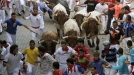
(104, 19)
(1, 66)
(8, 11)
(2, 18)
(109, 71)
(20, 5)
(124, 44)
(71, 4)
(49, 73)
(11, 39)
(129, 68)
(38, 35)
(2, 15)
(31, 69)
(63, 67)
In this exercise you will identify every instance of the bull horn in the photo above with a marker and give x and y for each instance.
(55, 41)
(82, 25)
(40, 41)
(80, 37)
(65, 37)
(88, 15)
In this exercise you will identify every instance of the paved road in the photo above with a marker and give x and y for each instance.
(23, 35)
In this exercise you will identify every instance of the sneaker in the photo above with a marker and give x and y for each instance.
(19, 14)
(23, 11)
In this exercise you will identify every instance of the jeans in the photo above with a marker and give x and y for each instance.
(110, 17)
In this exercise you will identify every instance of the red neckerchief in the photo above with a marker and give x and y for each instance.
(129, 22)
(95, 73)
(7, 3)
(106, 50)
(66, 49)
(58, 72)
(6, 45)
(12, 19)
(34, 14)
(43, 55)
(128, 12)
(70, 67)
(96, 60)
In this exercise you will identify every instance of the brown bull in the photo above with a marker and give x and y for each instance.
(49, 40)
(71, 38)
(91, 27)
(79, 19)
(61, 18)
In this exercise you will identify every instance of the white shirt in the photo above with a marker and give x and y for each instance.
(46, 63)
(100, 8)
(36, 21)
(3, 53)
(11, 3)
(8, 48)
(13, 61)
(63, 55)
(131, 14)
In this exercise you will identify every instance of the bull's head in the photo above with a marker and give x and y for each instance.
(79, 19)
(71, 40)
(50, 45)
(61, 18)
(91, 27)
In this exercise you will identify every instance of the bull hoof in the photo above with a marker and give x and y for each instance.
(91, 46)
(50, 16)
(97, 48)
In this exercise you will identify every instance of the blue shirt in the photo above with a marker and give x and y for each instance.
(111, 56)
(128, 27)
(43, 6)
(98, 66)
(132, 54)
(12, 26)
(122, 67)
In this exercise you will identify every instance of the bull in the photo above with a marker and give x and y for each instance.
(71, 32)
(92, 26)
(79, 17)
(60, 15)
(52, 4)
(49, 40)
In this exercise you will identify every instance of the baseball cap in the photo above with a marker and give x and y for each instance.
(105, 43)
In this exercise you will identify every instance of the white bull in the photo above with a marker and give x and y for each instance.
(71, 32)
(71, 24)
(59, 7)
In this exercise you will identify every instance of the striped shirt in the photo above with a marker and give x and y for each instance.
(127, 28)
(111, 56)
